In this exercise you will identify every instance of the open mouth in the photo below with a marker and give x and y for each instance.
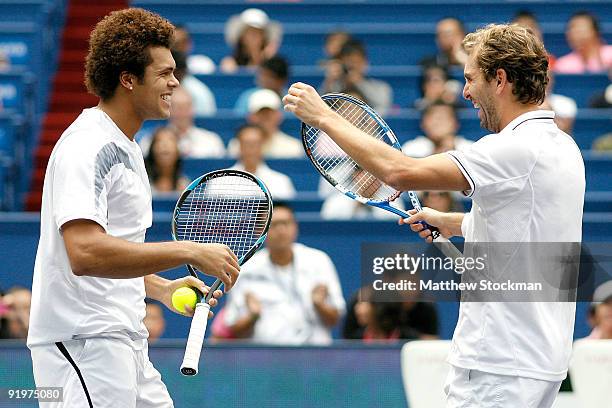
(167, 98)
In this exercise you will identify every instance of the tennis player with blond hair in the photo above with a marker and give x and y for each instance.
(526, 181)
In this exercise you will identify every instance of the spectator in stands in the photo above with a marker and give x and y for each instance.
(15, 311)
(600, 312)
(439, 200)
(265, 110)
(334, 43)
(250, 139)
(603, 99)
(164, 163)
(254, 38)
(375, 321)
(203, 99)
(288, 293)
(436, 85)
(528, 20)
(196, 63)
(603, 143)
(349, 71)
(440, 125)
(273, 74)
(565, 108)
(194, 142)
(449, 35)
(589, 53)
(154, 321)
(5, 62)
(337, 206)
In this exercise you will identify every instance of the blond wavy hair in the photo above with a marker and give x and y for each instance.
(518, 52)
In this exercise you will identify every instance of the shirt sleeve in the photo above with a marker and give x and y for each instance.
(496, 165)
(81, 182)
(333, 284)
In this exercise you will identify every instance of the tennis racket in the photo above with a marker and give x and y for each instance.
(345, 174)
(228, 207)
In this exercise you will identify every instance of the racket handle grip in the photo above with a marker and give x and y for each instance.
(435, 232)
(195, 339)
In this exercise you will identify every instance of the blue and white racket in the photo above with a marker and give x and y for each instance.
(343, 172)
(228, 207)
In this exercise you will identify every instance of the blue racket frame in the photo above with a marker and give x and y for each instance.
(394, 142)
(205, 178)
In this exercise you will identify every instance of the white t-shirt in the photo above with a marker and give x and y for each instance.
(422, 146)
(280, 185)
(287, 313)
(95, 172)
(527, 184)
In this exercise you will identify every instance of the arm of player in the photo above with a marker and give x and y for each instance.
(244, 326)
(329, 315)
(436, 172)
(92, 252)
(449, 224)
(161, 289)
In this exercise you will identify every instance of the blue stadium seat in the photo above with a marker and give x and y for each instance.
(305, 178)
(404, 80)
(16, 88)
(341, 12)
(11, 131)
(590, 124)
(387, 44)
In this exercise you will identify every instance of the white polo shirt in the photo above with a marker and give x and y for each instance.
(288, 315)
(527, 184)
(96, 173)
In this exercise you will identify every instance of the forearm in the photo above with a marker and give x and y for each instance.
(328, 314)
(453, 221)
(371, 154)
(244, 326)
(155, 286)
(105, 256)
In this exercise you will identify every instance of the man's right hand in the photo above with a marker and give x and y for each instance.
(216, 260)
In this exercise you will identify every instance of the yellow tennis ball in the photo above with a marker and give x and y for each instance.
(184, 296)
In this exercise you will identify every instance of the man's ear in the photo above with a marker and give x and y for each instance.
(501, 80)
(127, 80)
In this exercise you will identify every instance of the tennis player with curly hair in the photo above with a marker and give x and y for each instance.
(526, 181)
(93, 269)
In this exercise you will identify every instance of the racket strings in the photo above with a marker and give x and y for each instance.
(337, 165)
(230, 210)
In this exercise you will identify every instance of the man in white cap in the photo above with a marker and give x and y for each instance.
(264, 110)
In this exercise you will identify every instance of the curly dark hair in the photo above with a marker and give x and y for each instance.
(119, 43)
(518, 52)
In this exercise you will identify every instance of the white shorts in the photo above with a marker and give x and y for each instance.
(472, 388)
(100, 373)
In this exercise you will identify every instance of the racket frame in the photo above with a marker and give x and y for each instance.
(394, 142)
(197, 331)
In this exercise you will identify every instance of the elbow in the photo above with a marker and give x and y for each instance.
(397, 179)
(79, 268)
(400, 175)
(82, 262)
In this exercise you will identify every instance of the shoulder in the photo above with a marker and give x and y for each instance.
(312, 255)
(84, 138)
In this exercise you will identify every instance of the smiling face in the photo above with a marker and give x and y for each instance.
(481, 93)
(151, 96)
